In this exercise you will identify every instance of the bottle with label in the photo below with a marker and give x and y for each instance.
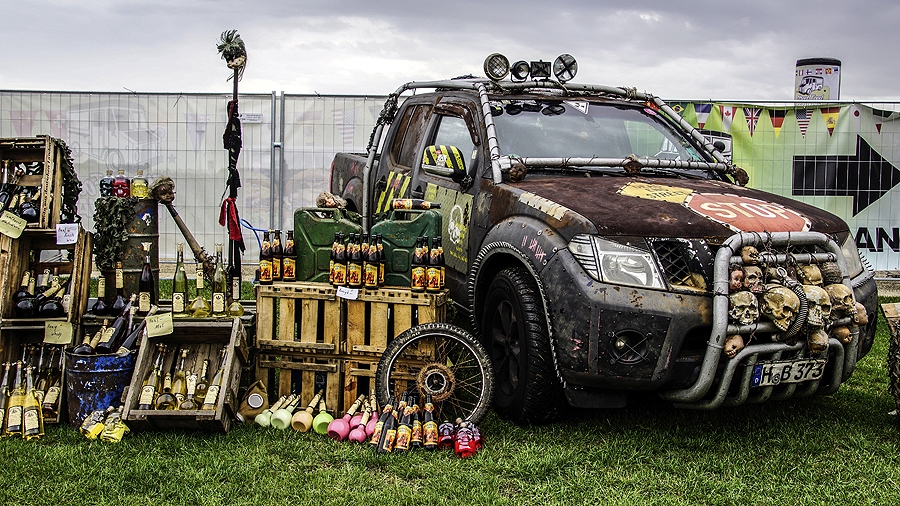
(446, 434)
(212, 392)
(414, 204)
(22, 292)
(179, 285)
(415, 440)
(219, 285)
(381, 259)
(265, 260)
(4, 396)
(200, 307)
(277, 255)
(52, 306)
(354, 262)
(440, 247)
(371, 266)
(92, 425)
(121, 185)
(334, 244)
(28, 209)
(32, 416)
(132, 340)
(202, 385)
(417, 274)
(179, 381)
(388, 434)
(289, 262)
(106, 184)
(166, 398)
(139, 185)
(433, 270)
(151, 383)
(375, 438)
(119, 303)
(16, 404)
(87, 346)
(50, 406)
(189, 401)
(114, 427)
(340, 262)
(148, 294)
(118, 330)
(404, 430)
(465, 443)
(40, 375)
(235, 309)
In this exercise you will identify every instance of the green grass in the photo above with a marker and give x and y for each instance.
(841, 449)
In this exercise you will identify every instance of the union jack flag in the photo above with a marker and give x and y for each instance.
(752, 116)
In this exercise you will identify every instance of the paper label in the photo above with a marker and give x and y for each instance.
(347, 293)
(211, 395)
(120, 278)
(14, 418)
(31, 420)
(11, 225)
(58, 332)
(218, 302)
(177, 302)
(144, 302)
(199, 276)
(160, 325)
(146, 397)
(191, 384)
(52, 396)
(66, 233)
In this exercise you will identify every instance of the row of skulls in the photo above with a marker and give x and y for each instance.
(755, 290)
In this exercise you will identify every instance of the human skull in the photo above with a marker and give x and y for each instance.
(819, 306)
(753, 280)
(831, 273)
(733, 345)
(780, 305)
(750, 255)
(744, 308)
(736, 279)
(842, 303)
(861, 317)
(810, 275)
(842, 334)
(817, 340)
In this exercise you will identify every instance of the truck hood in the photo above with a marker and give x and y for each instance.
(686, 208)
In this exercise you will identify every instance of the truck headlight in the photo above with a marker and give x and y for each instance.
(851, 256)
(616, 263)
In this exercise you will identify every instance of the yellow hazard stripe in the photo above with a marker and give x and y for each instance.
(458, 157)
(381, 199)
(404, 186)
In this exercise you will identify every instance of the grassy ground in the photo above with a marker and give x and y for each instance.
(825, 450)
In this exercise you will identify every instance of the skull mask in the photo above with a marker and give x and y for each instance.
(753, 280)
(744, 308)
(819, 306)
(780, 305)
(736, 279)
(843, 334)
(810, 275)
(733, 345)
(750, 255)
(842, 303)
(817, 340)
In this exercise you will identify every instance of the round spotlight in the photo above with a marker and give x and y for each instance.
(520, 71)
(496, 66)
(565, 67)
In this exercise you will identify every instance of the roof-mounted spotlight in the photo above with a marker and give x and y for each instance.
(565, 67)
(520, 71)
(496, 67)
(540, 69)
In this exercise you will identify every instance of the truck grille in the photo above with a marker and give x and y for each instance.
(685, 263)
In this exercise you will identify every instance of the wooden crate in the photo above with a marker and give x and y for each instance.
(305, 317)
(37, 250)
(205, 341)
(44, 152)
(14, 342)
(303, 374)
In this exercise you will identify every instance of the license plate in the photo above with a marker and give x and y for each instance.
(788, 371)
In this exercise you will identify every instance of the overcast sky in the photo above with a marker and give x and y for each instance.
(702, 49)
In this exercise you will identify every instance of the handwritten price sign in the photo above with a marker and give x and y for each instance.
(11, 225)
(58, 332)
(160, 325)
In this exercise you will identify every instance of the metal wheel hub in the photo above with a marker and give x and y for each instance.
(436, 379)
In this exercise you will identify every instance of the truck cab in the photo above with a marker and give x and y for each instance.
(594, 238)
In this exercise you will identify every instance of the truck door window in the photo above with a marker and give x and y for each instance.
(452, 131)
(404, 151)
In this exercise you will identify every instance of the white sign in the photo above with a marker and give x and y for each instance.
(66, 233)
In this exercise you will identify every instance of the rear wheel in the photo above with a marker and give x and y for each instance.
(514, 330)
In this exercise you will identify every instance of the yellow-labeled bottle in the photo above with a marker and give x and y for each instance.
(219, 285)
(200, 307)
(212, 393)
(179, 382)
(151, 384)
(32, 417)
(16, 405)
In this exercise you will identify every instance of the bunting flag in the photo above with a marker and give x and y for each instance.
(777, 117)
(751, 114)
(23, 122)
(702, 111)
(727, 116)
(803, 120)
(830, 115)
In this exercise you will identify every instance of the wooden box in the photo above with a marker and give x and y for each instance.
(44, 156)
(204, 340)
(304, 375)
(14, 343)
(378, 316)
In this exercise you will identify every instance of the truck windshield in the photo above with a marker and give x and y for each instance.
(558, 129)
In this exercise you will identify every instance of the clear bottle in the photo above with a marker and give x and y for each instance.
(32, 416)
(106, 184)
(4, 395)
(189, 401)
(92, 425)
(166, 399)
(179, 286)
(289, 263)
(200, 307)
(148, 294)
(50, 406)
(235, 308)
(139, 185)
(212, 392)
(277, 255)
(202, 386)
(265, 260)
(121, 185)
(151, 383)
(179, 381)
(13, 424)
(219, 285)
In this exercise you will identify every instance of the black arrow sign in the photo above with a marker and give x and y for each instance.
(865, 176)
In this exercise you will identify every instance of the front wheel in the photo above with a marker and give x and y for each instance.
(442, 360)
(514, 330)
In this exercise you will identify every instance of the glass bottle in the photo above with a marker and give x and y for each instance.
(265, 260)
(189, 401)
(22, 292)
(147, 292)
(28, 210)
(202, 385)
(117, 330)
(132, 340)
(277, 254)
(92, 425)
(106, 184)
(100, 308)
(433, 269)
(119, 303)
(43, 282)
(50, 406)
(212, 392)
(429, 426)
(6, 189)
(289, 263)
(370, 267)
(179, 382)
(219, 285)
(4, 395)
(151, 383)
(16, 405)
(417, 271)
(415, 440)
(87, 346)
(354, 262)
(379, 425)
(139, 186)
(40, 376)
(414, 204)
(340, 262)
(121, 185)
(331, 258)
(440, 247)
(32, 416)
(179, 286)
(388, 434)
(166, 399)
(235, 308)
(404, 430)
(381, 259)
(200, 307)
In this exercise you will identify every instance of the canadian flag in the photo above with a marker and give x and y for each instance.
(727, 116)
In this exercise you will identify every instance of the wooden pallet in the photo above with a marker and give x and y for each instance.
(47, 152)
(303, 374)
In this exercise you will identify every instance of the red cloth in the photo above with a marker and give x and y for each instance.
(228, 217)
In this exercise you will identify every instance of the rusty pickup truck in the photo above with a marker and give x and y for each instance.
(604, 248)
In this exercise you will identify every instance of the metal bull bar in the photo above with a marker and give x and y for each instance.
(844, 359)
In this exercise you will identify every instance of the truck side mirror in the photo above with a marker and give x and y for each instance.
(447, 161)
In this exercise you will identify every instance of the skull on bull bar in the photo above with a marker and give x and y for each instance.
(750, 255)
(743, 308)
(780, 305)
(819, 306)
(753, 279)
(733, 345)
(842, 303)
(809, 275)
